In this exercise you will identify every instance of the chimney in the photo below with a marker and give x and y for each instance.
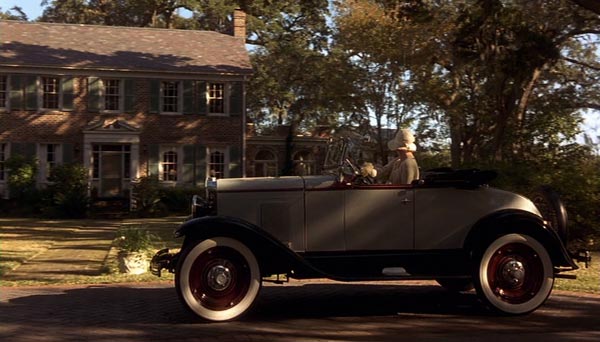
(239, 23)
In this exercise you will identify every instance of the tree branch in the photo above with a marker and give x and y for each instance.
(592, 5)
(583, 64)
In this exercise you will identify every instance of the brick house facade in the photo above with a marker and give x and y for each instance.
(123, 102)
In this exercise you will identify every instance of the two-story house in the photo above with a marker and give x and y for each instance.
(124, 102)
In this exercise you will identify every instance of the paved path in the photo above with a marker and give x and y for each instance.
(79, 250)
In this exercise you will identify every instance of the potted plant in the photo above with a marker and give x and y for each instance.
(134, 246)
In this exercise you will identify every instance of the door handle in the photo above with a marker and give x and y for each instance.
(405, 201)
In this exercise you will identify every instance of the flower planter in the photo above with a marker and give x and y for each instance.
(133, 262)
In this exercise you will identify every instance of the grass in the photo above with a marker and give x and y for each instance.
(588, 279)
(22, 239)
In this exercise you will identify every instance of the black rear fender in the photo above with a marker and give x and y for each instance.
(517, 221)
(272, 256)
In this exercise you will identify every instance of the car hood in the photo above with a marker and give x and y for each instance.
(290, 183)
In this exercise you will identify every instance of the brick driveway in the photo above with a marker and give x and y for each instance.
(300, 311)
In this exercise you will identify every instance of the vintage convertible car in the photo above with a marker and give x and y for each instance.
(449, 226)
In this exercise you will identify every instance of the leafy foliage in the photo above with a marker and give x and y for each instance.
(67, 191)
(134, 239)
(22, 179)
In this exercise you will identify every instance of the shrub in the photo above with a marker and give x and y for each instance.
(25, 197)
(67, 192)
(178, 200)
(146, 196)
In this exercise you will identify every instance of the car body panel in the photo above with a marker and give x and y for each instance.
(444, 216)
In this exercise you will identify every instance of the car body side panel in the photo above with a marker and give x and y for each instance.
(444, 216)
(325, 220)
(379, 219)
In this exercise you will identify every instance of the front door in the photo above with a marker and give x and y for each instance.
(111, 165)
(111, 181)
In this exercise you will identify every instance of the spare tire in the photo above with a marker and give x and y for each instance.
(553, 210)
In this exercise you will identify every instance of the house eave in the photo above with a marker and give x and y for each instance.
(134, 73)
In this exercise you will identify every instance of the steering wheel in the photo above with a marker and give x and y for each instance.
(354, 168)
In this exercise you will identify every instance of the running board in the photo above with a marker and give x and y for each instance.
(395, 272)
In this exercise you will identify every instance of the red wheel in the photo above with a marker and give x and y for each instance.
(218, 279)
(515, 274)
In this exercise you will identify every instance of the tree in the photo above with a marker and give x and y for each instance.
(143, 13)
(9, 15)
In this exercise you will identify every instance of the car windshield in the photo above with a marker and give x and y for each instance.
(342, 148)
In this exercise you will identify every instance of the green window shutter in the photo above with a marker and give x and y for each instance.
(27, 150)
(31, 93)
(67, 93)
(153, 160)
(235, 161)
(129, 95)
(67, 153)
(188, 163)
(16, 149)
(16, 92)
(154, 96)
(93, 94)
(188, 97)
(236, 99)
(202, 101)
(200, 164)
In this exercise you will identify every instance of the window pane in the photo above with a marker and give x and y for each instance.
(216, 98)
(111, 94)
(50, 92)
(170, 166)
(170, 96)
(217, 164)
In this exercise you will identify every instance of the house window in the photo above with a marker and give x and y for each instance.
(265, 164)
(112, 94)
(169, 166)
(3, 91)
(216, 98)
(304, 163)
(50, 92)
(49, 157)
(216, 165)
(170, 96)
(3, 157)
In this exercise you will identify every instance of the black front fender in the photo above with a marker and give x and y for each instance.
(273, 256)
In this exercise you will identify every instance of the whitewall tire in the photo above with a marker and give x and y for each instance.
(218, 279)
(515, 274)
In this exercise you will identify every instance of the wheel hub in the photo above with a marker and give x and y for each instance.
(219, 276)
(513, 273)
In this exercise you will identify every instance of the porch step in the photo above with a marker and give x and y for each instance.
(110, 208)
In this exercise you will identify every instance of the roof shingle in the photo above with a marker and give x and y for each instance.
(93, 47)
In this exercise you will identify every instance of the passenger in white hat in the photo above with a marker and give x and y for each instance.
(404, 168)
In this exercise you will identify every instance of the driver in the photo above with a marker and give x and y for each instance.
(404, 168)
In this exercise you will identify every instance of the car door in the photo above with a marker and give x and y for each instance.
(379, 217)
